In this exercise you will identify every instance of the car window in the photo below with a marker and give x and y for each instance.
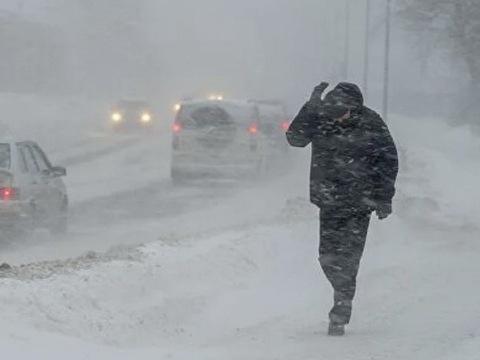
(211, 116)
(5, 156)
(40, 158)
(215, 115)
(30, 161)
(272, 114)
(22, 158)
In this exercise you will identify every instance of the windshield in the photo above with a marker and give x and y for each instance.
(5, 161)
(205, 115)
(270, 113)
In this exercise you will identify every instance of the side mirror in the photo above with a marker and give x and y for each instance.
(58, 171)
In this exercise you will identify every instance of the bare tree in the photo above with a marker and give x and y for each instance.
(455, 23)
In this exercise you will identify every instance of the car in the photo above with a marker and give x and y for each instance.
(131, 115)
(274, 122)
(32, 192)
(217, 138)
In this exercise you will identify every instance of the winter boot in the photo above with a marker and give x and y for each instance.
(336, 329)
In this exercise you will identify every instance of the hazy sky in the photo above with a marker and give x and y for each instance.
(249, 48)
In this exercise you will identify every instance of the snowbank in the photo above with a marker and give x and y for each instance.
(440, 172)
(256, 294)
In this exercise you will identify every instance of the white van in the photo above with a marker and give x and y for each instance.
(217, 138)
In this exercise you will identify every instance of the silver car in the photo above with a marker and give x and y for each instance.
(32, 192)
(217, 138)
(274, 122)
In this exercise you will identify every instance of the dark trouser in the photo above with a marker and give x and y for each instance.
(343, 232)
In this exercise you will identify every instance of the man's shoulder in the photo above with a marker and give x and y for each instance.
(372, 119)
(371, 114)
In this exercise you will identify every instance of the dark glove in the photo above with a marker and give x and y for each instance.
(318, 92)
(384, 211)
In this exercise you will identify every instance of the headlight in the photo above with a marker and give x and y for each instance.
(177, 107)
(214, 97)
(116, 117)
(146, 118)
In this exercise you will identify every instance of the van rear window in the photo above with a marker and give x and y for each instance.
(5, 160)
(211, 116)
(215, 115)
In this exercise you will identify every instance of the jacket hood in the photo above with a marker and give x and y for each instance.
(345, 94)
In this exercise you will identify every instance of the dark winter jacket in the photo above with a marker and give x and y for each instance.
(354, 162)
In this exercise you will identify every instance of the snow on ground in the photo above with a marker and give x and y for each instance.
(255, 293)
(75, 133)
(441, 171)
(128, 163)
(234, 275)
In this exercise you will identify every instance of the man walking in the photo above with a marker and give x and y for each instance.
(353, 173)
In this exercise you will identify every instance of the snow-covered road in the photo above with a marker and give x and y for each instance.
(229, 272)
(254, 293)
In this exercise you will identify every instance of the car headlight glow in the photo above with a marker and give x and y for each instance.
(146, 118)
(117, 117)
(214, 97)
(177, 107)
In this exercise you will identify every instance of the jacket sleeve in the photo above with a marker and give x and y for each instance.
(386, 164)
(300, 132)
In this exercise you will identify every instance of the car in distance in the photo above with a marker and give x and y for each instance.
(131, 115)
(217, 138)
(32, 192)
(274, 122)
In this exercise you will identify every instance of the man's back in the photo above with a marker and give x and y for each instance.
(354, 159)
